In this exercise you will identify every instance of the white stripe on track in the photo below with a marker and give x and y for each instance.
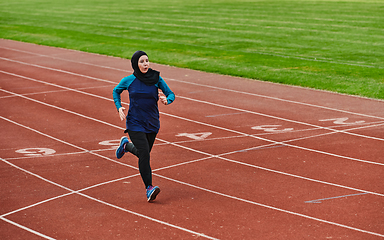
(174, 180)
(208, 154)
(201, 101)
(205, 102)
(201, 123)
(84, 195)
(282, 100)
(58, 70)
(282, 119)
(198, 84)
(281, 143)
(221, 128)
(26, 228)
(153, 219)
(183, 183)
(272, 208)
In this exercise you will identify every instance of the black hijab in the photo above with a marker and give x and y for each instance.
(149, 78)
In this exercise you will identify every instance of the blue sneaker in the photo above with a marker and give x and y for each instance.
(152, 193)
(121, 149)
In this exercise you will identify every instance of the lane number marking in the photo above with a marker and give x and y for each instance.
(195, 136)
(112, 143)
(272, 128)
(36, 152)
(340, 121)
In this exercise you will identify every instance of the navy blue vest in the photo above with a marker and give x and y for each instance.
(143, 114)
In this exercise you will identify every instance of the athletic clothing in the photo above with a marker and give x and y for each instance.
(143, 123)
(143, 143)
(143, 113)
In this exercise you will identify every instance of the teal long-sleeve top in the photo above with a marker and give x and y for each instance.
(143, 113)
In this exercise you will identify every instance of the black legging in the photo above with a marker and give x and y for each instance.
(143, 143)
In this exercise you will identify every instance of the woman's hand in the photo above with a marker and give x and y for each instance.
(121, 113)
(163, 98)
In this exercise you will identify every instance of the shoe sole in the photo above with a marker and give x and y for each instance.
(154, 195)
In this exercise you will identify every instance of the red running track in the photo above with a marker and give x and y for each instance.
(235, 158)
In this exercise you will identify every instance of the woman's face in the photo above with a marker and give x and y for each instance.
(143, 64)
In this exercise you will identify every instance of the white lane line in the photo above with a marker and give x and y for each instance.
(207, 86)
(94, 199)
(272, 208)
(201, 123)
(279, 118)
(150, 218)
(56, 91)
(320, 127)
(282, 143)
(84, 195)
(281, 99)
(331, 198)
(209, 125)
(210, 156)
(57, 70)
(86, 188)
(180, 182)
(275, 142)
(54, 85)
(44, 156)
(60, 196)
(26, 229)
(224, 114)
(64, 142)
(201, 101)
(67, 60)
(218, 156)
(61, 109)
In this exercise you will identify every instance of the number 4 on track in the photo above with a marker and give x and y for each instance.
(341, 121)
(272, 128)
(195, 136)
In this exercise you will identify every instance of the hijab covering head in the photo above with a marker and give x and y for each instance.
(151, 77)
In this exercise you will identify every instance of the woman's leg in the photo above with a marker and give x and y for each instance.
(129, 147)
(151, 137)
(143, 143)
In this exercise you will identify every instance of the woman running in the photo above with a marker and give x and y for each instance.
(142, 120)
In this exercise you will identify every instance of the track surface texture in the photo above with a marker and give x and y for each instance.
(234, 158)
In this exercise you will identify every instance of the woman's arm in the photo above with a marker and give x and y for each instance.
(123, 85)
(169, 95)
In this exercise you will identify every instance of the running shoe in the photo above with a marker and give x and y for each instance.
(121, 149)
(152, 193)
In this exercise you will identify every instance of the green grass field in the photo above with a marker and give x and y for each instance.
(324, 44)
